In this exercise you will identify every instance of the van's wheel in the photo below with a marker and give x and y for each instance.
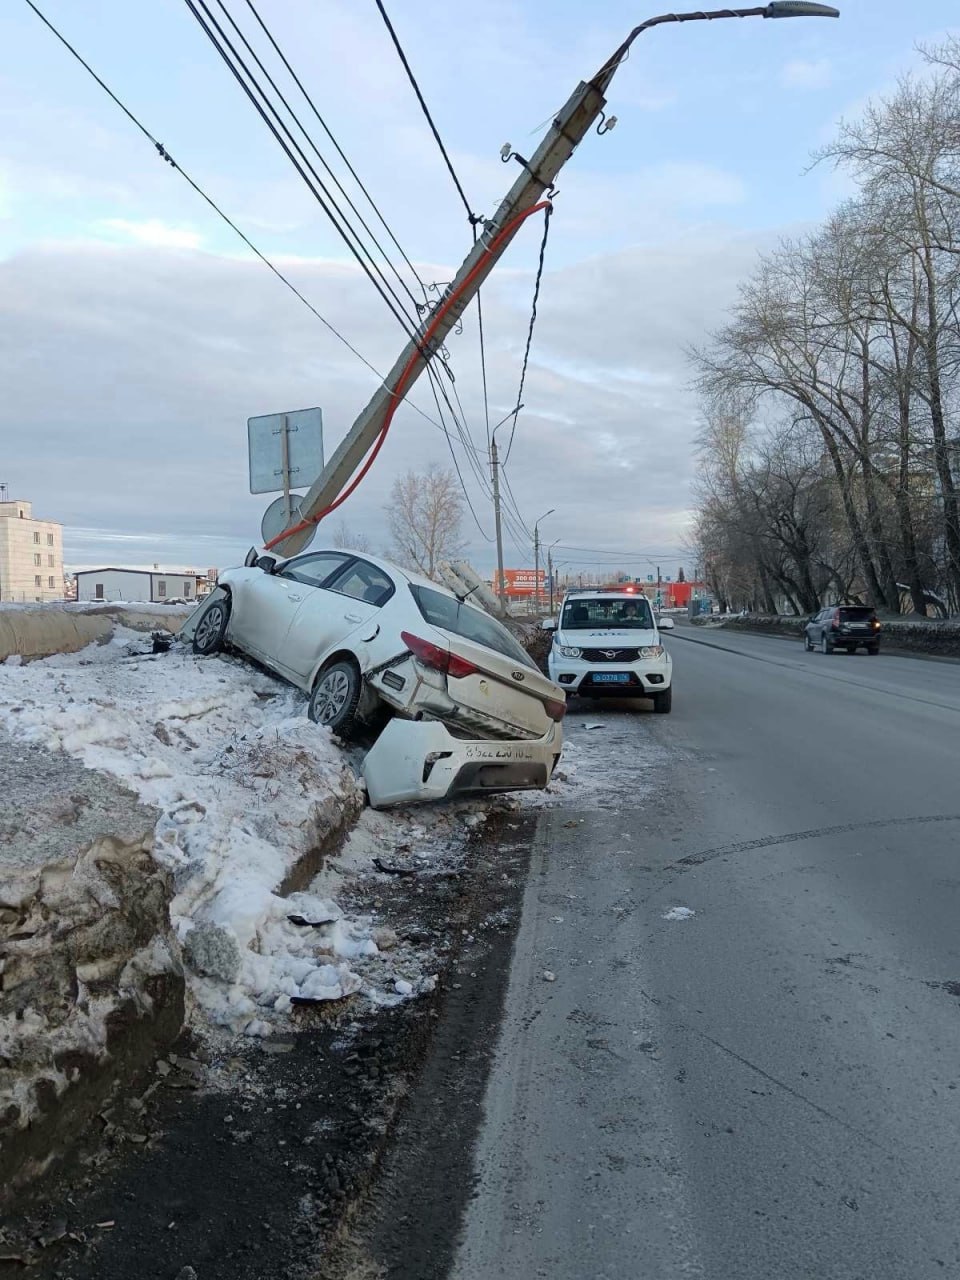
(335, 698)
(211, 628)
(662, 702)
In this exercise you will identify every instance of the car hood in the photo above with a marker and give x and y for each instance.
(607, 638)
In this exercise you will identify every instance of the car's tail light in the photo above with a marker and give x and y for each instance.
(431, 655)
(459, 667)
(875, 624)
(836, 620)
(556, 709)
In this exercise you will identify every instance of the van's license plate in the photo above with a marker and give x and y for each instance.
(610, 677)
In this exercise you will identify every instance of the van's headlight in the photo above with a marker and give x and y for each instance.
(569, 651)
(652, 651)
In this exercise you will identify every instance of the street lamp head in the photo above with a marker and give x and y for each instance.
(799, 9)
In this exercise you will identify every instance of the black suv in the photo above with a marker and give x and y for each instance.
(844, 626)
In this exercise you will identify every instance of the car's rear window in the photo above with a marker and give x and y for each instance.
(856, 613)
(449, 614)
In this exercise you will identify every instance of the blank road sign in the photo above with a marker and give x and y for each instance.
(304, 448)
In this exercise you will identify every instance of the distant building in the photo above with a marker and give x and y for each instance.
(31, 555)
(154, 584)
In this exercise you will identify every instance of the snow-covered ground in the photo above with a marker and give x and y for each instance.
(245, 787)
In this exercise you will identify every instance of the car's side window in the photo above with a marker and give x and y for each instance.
(363, 581)
(313, 570)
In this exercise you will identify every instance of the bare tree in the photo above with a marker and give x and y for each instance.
(424, 514)
(346, 538)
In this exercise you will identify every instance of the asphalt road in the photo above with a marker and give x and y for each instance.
(769, 1088)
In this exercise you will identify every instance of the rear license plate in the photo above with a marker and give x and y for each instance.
(611, 677)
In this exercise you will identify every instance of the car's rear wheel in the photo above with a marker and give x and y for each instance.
(807, 643)
(211, 628)
(335, 698)
(825, 645)
(873, 650)
(662, 702)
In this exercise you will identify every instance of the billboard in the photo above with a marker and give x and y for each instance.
(519, 584)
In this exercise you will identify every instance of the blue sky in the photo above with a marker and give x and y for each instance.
(137, 335)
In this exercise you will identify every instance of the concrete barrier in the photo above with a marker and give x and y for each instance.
(42, 630)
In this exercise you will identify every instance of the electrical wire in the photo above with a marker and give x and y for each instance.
(426, 111)
(501, 238)
(320, 157)
(168, 158)
(467, 441)
(326, 201)
(533, 320)
(434, 379)
(336, 144)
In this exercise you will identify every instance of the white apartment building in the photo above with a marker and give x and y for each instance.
(31, 556)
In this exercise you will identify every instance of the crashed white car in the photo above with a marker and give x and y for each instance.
(606, 643)
(471, 711)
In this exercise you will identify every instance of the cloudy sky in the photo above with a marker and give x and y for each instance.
(137, 333)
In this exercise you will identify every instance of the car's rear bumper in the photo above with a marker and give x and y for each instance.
(416, 761)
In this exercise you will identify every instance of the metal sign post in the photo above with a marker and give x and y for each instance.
(285, 452)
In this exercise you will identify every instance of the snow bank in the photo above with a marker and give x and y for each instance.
(245, 787)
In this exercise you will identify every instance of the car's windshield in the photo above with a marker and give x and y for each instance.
(466, 620)
(613, 613)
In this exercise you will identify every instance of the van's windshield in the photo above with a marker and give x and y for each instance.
(613, 613)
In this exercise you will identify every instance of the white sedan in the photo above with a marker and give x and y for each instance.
(362, 636)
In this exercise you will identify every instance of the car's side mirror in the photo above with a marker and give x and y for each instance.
(548, 624)
(666, 624)
(267, 563)
(251, 559)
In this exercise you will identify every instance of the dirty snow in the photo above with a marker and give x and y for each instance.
(244, 785)
(678, 913)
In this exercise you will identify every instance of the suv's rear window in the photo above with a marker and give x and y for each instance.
(857, 613)
(465, 620)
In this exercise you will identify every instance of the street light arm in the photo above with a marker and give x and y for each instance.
(776, 9)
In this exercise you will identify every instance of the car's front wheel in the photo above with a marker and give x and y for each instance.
(335, 698)
(662, 702)
(211, 628)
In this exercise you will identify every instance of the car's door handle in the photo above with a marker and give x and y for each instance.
(351, 617)
(290, 596)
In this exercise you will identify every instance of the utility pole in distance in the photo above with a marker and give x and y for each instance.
(536, 556)
(550, 571)
(574, 120)
(495, 468)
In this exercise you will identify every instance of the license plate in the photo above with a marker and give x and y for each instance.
(611, 677)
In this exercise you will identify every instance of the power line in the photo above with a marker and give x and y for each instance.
(426, 111)
(547, 213)
(345, 231)
(320, 157)
(165, 155)
(336, 144)
(434, 378)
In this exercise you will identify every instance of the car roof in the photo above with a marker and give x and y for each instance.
(390, 567)
(587, 594)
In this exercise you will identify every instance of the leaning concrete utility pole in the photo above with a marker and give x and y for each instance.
(581, 111)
